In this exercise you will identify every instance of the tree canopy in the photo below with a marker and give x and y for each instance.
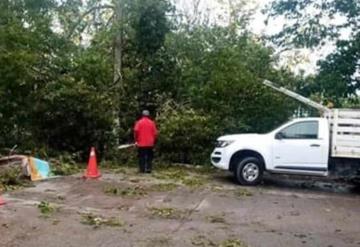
(316, 23)
(78, 73)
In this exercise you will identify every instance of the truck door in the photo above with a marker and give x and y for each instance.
(298, 147)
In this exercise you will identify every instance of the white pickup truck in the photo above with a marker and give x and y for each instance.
(324, 146)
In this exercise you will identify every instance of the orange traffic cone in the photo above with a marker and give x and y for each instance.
(92, 170)
(2, 202)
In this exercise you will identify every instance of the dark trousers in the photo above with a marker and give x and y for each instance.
(146, 155)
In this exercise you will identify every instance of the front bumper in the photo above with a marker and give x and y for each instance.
(219, 159)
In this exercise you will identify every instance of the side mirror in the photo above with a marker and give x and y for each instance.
(279, 136)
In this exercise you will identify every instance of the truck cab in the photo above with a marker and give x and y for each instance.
(301, 146)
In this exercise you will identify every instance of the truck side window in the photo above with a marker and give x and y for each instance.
(302, 130)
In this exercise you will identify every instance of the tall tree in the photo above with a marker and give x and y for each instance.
(316, 23)
(30, 60)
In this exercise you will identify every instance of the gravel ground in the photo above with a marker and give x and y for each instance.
(180, 208)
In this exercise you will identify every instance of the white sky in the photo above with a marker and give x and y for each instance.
(296, 60)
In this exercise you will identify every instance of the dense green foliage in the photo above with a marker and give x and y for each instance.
(61, 92)
(316, 23)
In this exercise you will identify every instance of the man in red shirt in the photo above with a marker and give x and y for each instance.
(145, 134)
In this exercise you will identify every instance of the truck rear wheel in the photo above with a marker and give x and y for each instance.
(249, 171)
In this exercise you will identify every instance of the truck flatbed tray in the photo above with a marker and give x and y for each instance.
(345, 132)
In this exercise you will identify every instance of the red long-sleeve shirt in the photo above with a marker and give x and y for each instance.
(145, 132)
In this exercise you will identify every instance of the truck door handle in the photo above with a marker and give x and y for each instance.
(315, 145)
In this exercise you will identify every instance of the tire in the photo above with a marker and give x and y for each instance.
(249, 171)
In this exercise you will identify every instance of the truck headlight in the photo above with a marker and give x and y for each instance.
(222, 144)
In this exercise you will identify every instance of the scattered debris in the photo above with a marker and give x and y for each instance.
(182, 175)
(5, 225)
(217, 188)
(60, 197)
(10, 179)
(115, 168)
(242, 192)
(193, 182)
(206, 170)
(34, 168)
(13, 160)
(128, 192)
(124, 208)
(171, 174)
(294, 213)
(300, 235)
(216, 218)
(55, 222)
(202, 241)
(37, 169)
(167, 213)
(64, 169)
(233, 243)
(97, 221)
(163, 187)
(64, 165)
(134, 180)
(45, 208)
(158, 241)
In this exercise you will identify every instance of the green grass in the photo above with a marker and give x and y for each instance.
(46, 209)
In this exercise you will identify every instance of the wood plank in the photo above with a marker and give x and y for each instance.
(345, 155)
(350, 129)
(348, 137)
(350, 152)
(345, 145)
(349, 113)
(345, 140)
(349, 121)
(348, 143)
(348, 149)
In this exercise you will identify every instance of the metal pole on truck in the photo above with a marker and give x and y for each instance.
(306, 101)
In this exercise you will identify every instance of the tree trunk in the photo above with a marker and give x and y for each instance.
(118, 44)
(117, 77)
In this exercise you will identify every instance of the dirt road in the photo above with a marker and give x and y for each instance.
(180, 208)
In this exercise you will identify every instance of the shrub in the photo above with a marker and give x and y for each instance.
(185, 134)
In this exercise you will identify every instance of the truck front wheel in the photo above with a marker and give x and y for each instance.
(249, 171)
